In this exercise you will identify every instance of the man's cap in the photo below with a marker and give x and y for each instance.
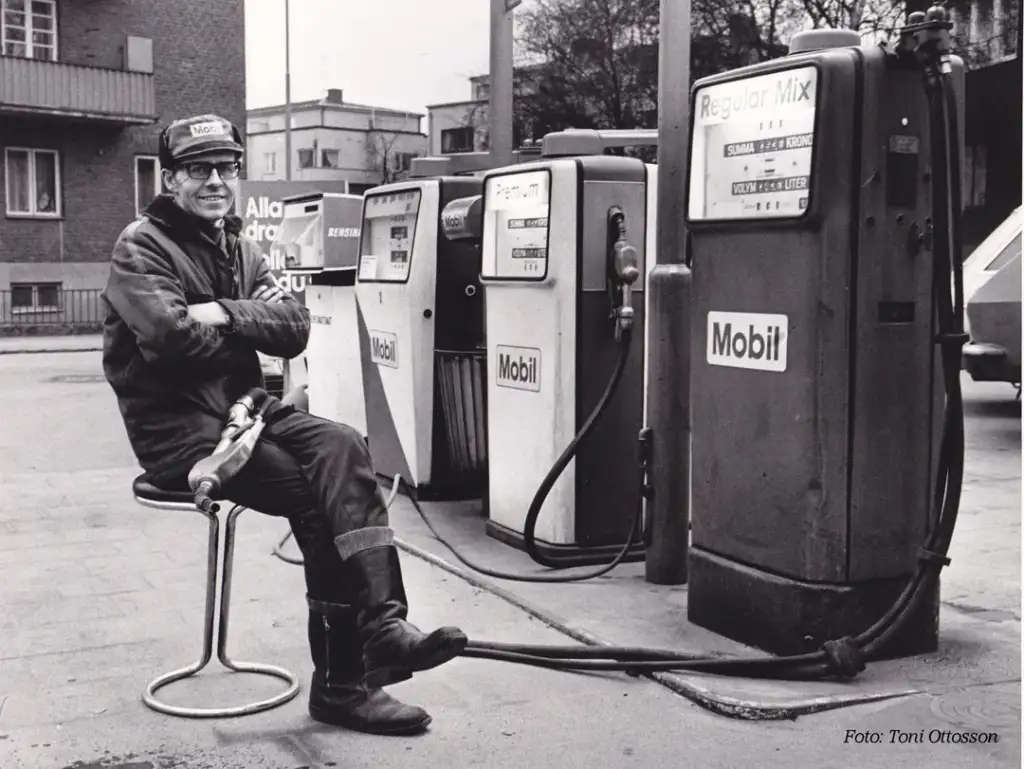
(194, 136)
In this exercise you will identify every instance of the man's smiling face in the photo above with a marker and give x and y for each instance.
(210, 196)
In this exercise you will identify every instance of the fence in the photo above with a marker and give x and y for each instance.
(53, 311)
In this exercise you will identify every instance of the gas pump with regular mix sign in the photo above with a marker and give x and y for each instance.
(563, 252)
(421, 333)
(815, 395)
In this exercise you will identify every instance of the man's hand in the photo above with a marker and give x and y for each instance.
(210, 313)
(267, 293)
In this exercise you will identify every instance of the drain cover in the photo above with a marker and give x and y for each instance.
(78, 378)
(980, 707)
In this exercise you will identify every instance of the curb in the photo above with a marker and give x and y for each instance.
(37, 350)
(731, 707)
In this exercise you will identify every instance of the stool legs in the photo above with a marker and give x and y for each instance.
(149, 697)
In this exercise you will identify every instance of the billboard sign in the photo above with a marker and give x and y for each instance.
(261, 208)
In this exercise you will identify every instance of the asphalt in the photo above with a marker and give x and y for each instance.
(98, 596)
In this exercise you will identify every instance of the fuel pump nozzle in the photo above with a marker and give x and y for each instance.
(623, 271)
(237, 439)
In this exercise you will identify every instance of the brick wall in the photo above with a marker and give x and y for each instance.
(199, 66)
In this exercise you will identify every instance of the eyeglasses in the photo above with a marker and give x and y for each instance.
(201, 171)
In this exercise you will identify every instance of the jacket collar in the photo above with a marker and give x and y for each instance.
(167, 213)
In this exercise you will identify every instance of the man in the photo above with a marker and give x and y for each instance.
(189, 303)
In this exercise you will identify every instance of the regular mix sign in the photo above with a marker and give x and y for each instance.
(753, 143)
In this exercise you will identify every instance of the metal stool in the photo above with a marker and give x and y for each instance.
(160, 499)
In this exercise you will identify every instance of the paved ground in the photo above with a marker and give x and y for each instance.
(99, 595)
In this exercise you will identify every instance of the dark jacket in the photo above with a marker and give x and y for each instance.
(175, 377)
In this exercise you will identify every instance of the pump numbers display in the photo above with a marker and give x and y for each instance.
(527, 224)
(516, 221)
(529, 253)
(389, 228)
(753, 143)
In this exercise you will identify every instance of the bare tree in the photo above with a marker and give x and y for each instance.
(379, 155)
(475, 117)
(873, 19)
(588, 64)
(594, 63)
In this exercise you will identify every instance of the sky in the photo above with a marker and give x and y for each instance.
(402, 54)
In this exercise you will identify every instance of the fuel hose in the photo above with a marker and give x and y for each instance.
(843, 657)
(530, 525)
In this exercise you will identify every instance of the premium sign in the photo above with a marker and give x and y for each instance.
(516, 221)
(748, 340)
(384, 348)
(518, 368)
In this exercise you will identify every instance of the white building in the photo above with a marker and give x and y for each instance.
(334, 139)
(460, 126)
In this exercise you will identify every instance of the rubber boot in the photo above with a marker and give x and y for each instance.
(338, 695)
(393, 649)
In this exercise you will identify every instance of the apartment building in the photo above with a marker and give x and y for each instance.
(336, 140)
(461, 126)
(85, 86)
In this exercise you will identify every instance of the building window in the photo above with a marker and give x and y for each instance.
(35, 297)
(457, 140)
(30, 29)
(306, 158)
(270, 162)
(329, 158)
(147, 181)
(33, 182)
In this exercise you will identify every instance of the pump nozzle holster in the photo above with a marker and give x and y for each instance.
(623, 271)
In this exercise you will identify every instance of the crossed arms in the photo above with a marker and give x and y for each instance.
(147, 295)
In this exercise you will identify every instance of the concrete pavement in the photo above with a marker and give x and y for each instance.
(98, 596)
(40, 343)
(979, 615)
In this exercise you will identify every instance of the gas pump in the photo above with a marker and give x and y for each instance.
(421, 334)
(817, 389)
(319, 236)
(824, 202)
(564, 260)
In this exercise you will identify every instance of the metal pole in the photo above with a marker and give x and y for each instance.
(287, 96)
(668, 510)
(499, 117)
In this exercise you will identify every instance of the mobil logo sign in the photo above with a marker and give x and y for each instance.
(518, 368)
(748, 340)
(383, 348)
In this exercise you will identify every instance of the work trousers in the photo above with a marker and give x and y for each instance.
(318, 475)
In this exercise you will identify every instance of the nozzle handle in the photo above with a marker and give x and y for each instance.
(202, 497)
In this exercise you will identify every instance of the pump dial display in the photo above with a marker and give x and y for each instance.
(753, 142)
(389, 228)
(515, 234)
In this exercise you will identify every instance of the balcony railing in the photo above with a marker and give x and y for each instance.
(42, 87)
(73, 310)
